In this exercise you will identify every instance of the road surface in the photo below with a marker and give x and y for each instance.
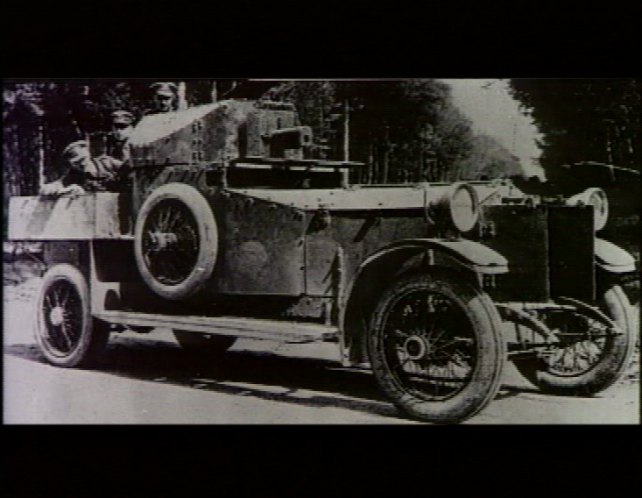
(148, 379)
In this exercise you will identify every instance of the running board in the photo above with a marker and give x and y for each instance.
(251, 328)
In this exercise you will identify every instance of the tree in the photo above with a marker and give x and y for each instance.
(489, 159)
(403, 130)
(584, 120)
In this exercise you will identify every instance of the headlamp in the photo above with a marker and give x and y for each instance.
(456, 205)
(597, 198)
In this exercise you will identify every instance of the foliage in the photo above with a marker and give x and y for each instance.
(489, 159)
(584, 119)
(403, 130)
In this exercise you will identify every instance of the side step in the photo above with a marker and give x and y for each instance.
(252, 328)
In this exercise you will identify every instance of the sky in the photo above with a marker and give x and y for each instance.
(492, 110)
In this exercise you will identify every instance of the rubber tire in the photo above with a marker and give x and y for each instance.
(491, 356)
(208, 236)
(204, 343)
(94, 334)
(608, 370)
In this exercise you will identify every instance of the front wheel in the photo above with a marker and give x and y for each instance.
(588, 358)
(436, 348)
(66, 332)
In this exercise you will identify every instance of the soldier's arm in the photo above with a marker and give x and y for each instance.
(58, 189)
(51, 189)
(109, 164)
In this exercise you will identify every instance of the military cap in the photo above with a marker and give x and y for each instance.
(72, 150)
(164, 88)
(122, 117)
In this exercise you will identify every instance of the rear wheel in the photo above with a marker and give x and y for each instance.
(204, 343)
(66, 332)
(436, 348)
(588, 359)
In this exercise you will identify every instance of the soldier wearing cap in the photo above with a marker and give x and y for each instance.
(86, 174)
(118, 143)
(165, 97)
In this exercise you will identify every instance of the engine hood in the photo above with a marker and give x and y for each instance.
(363, 197)
(352, 199)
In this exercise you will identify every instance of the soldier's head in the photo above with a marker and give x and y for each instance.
(122, 124)
(76, 154)
(165, 95)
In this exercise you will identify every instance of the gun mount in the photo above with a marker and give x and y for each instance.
(252, 143)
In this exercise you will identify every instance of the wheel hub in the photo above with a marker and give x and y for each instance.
(56, 316)
(162, 240)
(416, 347)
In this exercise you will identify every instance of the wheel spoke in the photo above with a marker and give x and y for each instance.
(63, 300)
(65, 334)
(462, 356)
(172, 223)
(574, 356)
(163, 216)
(588, 356)
(439, 336)
(456, 340)
(400, 366)
(440, 378)
(400, 334)
(54, 294)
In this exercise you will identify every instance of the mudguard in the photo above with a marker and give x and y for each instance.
(465, 253)
(612, 258)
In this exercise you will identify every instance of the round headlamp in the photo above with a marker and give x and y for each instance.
(597, 198)
(457, 207)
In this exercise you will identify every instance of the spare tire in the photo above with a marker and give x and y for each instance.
(176, 241)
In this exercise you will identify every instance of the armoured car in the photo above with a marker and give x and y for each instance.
(233, 227)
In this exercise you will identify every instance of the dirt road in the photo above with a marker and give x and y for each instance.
(149, 380)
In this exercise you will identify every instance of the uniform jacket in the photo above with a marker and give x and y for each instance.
(100, 174)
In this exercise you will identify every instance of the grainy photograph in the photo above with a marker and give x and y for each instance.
(265, 251)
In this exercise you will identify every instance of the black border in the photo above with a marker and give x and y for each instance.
(299, 461)
(330, 39)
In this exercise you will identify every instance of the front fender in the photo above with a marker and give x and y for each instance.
(613, 259)
(374, 273)
(465, 253)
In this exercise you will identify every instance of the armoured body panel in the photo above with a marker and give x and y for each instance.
(208, 133)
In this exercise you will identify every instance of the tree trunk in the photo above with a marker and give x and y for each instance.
(214, 92)
(386, 152)
(181, 91)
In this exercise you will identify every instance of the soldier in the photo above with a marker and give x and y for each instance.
(86, 174)
(165, 97)
(122, 126)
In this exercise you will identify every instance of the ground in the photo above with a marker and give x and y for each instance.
(148, 379)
